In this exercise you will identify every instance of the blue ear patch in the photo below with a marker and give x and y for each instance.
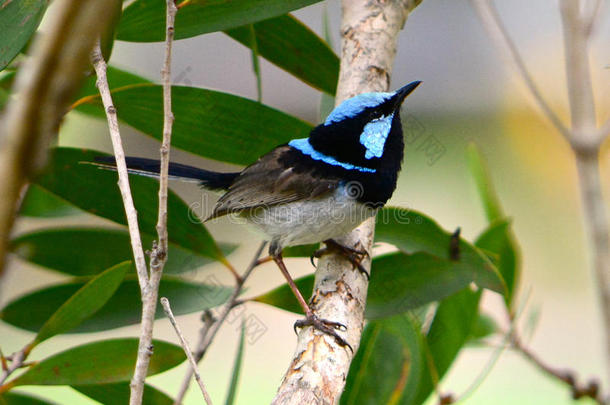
(374, 135)
(305, 147)
(355, 105)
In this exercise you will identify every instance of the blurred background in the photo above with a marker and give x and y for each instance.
(469, 94)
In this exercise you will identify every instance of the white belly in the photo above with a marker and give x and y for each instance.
(304, 222)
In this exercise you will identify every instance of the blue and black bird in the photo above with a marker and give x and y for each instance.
(312, 189)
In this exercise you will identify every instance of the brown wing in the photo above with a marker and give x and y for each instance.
(271, 181)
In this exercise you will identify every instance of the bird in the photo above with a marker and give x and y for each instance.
(313, 189)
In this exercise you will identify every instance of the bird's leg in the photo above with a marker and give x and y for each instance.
(328, 327)
(354, 255)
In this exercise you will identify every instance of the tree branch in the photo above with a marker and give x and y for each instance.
(45, 85)
(99, 64)
(498, 33)
(159, 252)
(590, 390)
(187, 350)
(318, 370)
(586, 142)
(211, 326)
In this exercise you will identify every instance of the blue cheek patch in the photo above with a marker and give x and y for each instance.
(305, 147)
(355, 105)
(374, 135)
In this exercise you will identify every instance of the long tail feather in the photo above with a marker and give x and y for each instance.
(151, 167)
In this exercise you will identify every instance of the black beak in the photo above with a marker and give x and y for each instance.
(403, 92)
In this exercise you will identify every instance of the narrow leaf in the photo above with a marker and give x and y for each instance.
(19, 19)
(291, 45)
(87, 251)
(390, 349)
(32, 310)
(101, 362)
(500, 240)
(84, 303)
(208, 123)
(119, 393)
(40, 203)
(252, 43)
(14, 398)
(411, 231)
(399, 283)
(480, 173)
(232, 392)
(117, 79)
(96, 191)
(450, 329)
(144, 20)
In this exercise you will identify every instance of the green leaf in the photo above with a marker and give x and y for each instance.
(449, 331)
(87, 251)
(388, 365)
(292, 46)
(227, 128)
(232, 392)
(144, 20)
(117, 79)
(124, 308)
(108, 34)
(399, 283)
(499, 240)
(480, 173)
(411, 231)
(101, 362)
(483, 327)
(96, 191)
(118, 393)
(14, 398)
(252, 43)
(19, 19)
(40, 203)
(84, 303)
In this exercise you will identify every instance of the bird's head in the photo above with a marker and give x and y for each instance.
(365, 130)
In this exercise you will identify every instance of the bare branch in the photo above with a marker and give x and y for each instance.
(45, 84)
(99, 64)
(318, 370)
(586, 146)
(158, 256)
(211, 326)
(185, 347)
(589, 390)
(498, 33)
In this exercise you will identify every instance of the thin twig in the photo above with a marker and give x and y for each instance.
(159, 252)
(185, 347)
(17, 361)
(208, 320)
(492, 22)
(590, 390)
(99, 64)
(206, 337)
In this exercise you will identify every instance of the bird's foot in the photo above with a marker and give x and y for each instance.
(326, 326)
(354, 255)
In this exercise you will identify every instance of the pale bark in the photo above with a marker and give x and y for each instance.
(318, 370)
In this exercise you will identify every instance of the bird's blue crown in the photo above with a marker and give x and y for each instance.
(373, 135)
